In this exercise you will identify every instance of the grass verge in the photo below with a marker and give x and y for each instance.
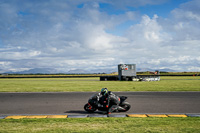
(93, 84)
(139, 125)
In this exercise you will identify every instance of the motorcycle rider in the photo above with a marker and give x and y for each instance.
(109, 100)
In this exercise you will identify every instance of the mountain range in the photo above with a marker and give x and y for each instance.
(79, 71)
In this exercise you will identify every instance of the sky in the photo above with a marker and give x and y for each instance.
(99, 34)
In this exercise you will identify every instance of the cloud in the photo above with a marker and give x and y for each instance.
(148, 31)
(135, 3)
(75, 34)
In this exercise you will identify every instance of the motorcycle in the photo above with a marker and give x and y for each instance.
(92, 104)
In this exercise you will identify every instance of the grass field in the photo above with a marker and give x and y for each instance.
(187, 83)
(87, 125)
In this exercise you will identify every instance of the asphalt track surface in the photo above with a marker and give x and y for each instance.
(71, 103)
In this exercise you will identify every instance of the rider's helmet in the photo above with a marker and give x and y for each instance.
(104, 91)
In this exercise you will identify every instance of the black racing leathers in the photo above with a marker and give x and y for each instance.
(110, 101)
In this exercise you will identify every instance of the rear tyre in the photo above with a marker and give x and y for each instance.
(89, 108)
(126, 106)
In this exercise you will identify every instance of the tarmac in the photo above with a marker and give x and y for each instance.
(70, 105)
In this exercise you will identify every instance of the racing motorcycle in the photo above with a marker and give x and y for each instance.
(92, 104)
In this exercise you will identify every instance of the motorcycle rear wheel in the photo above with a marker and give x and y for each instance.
(126, 106)
(89, 108)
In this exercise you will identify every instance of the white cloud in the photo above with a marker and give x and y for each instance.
(57, 34)
(18, 55)
(135, 3)
(193, 69)
(148, 37)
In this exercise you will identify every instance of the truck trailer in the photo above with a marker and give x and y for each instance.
(127, 72)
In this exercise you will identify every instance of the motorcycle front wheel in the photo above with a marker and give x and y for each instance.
(126, 106)
(89, 108)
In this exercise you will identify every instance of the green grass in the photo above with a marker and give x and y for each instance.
(93, 84)
(87, 125)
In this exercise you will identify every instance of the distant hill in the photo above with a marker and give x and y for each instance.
(54, 71)
(35, 71)
(81, 71)
(151, 70)
(77, 71)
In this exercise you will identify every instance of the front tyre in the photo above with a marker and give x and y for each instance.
(126, 106)
(89, 108)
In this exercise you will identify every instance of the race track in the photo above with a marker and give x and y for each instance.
(73, 102)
